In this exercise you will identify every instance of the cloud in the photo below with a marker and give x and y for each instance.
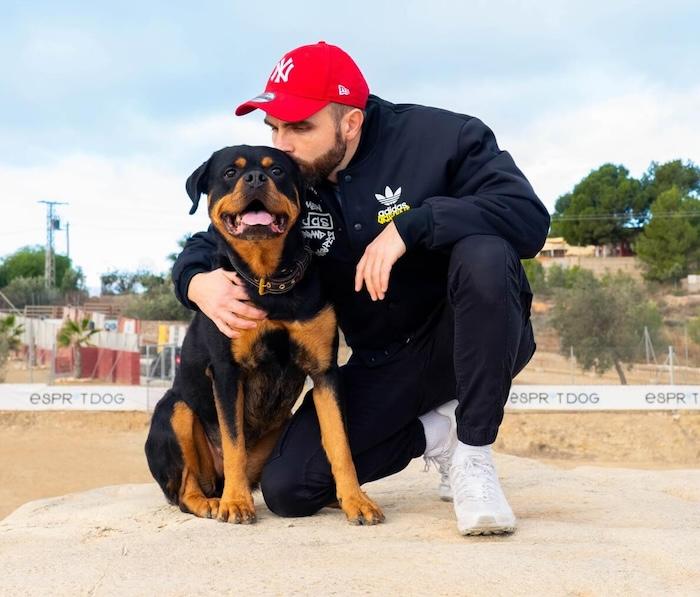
(124, 212)
(128, 211)
(647, 123)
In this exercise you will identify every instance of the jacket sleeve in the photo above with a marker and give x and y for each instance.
(197, 257)
(488, 195)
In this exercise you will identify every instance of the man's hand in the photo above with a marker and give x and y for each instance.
(221, 296)
(375, 266)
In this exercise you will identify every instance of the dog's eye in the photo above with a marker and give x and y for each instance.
(277, 171)
(229, 172)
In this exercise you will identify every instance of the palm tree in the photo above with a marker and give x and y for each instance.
(76, 334)
(11, 331)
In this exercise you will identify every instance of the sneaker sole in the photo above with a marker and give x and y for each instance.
(488, 531)
(488, 526)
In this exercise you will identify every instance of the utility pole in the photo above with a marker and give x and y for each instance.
(52, 224)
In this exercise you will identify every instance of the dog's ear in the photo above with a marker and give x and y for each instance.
(198, 183)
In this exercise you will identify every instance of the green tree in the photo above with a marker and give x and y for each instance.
(11, 330)
(158, 302)
(152, 295)
(75, 334)
(10, 340)
(28, 262)
(31, 291)
(172, 257)
(662, 177)
(119, 282)
(603, 208)
(604, 321)
(535, 275)
(694, 329)
(566, 277)
(670, 245)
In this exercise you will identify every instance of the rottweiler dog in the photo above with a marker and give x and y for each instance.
(212, 433)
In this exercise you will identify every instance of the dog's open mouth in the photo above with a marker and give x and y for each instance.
(254, 222)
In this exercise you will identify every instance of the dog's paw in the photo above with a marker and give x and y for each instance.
(202, 506)
(238, 510)
(361, 510)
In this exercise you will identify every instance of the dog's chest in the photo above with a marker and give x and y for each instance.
(307, 345)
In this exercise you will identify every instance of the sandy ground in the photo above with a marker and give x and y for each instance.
(47, 454)
(583, 530)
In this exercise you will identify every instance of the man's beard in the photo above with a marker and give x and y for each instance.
(320, 169)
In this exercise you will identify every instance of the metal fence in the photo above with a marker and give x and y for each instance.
(673, 358)
(159, 363)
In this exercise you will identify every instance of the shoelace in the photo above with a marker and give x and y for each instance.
(475, 479)
(442, 467)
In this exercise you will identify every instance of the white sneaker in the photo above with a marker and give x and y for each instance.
(443, 458)
(479, 502)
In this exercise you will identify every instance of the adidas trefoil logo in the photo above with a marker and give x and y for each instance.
(389, 197)
(342, 90)
(393, 208)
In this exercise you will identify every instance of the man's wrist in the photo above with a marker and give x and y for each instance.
(415, 226)
(187, 299)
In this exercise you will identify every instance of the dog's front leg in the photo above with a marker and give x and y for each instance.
(359, 508)
(236, 504)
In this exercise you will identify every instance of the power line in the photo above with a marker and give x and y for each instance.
(623, 216)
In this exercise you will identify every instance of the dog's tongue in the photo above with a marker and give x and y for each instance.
(257, 217)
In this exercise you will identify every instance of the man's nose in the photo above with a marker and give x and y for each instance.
(255, 179)
(282, 142)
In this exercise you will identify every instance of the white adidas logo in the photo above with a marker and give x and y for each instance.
(392, 208)
(389, 197)
(342, 90)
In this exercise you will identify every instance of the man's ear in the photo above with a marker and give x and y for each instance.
(352, 124)
(198, 183)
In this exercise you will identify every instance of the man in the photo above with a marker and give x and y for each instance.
(419, 222)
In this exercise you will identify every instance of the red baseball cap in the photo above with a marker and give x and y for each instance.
(307, 79)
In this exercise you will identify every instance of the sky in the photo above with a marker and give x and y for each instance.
(109, 107)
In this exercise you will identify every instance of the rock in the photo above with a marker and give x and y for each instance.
(581, 531)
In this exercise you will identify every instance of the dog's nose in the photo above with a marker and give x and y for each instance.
(255, 179)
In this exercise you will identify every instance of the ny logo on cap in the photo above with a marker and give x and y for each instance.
(282, 70)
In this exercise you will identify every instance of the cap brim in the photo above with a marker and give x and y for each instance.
(290, 108)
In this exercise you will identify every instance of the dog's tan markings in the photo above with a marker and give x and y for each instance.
(231, 203)
(190, 493)
(357, 506)
(240, 162)
(259, 453)
(266, 162)
(207, 466)
(242, 347)
(236, 504)
(262, 256)
(315, 337)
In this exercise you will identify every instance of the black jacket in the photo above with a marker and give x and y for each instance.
(441, 177)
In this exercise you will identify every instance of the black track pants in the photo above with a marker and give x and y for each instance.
(470, 349)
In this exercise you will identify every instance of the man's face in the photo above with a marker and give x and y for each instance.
(316, 144)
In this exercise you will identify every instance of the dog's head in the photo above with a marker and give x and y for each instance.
(254, 193)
